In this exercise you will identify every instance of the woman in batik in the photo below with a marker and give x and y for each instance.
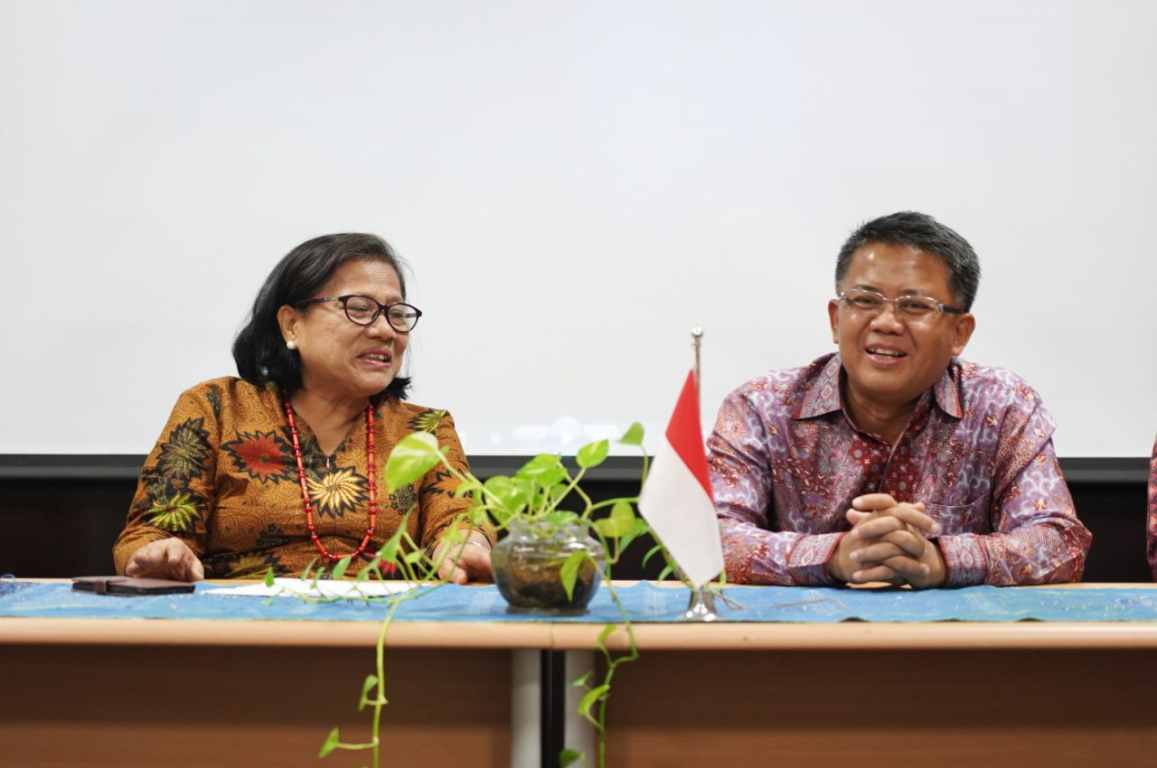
(285, 465)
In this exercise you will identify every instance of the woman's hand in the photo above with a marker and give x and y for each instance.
(465, 561)
(167, 559)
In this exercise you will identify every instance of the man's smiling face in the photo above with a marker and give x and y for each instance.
(890, 360)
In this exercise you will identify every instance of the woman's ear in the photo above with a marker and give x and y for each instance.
(288, 319)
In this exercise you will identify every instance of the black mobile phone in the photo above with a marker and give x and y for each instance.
(129, 586)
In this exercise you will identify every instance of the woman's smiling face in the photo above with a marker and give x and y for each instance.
(339, 358)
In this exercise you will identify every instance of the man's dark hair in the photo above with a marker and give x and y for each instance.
(259, 349)
(919, 230)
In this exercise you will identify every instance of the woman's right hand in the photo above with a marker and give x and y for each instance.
(165, 559)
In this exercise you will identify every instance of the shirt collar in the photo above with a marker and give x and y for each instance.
(824, 395)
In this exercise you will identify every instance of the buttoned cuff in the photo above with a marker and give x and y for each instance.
(965, 561)
(808, 561)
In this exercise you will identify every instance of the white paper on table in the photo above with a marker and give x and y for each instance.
(323, 588)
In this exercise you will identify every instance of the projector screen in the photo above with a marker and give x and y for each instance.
(576, 185)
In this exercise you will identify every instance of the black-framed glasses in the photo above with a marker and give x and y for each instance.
(364, 310)
(908, 307)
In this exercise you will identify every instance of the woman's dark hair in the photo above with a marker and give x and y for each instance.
(921, 231)
(259, 349)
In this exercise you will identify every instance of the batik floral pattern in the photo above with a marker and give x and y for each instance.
(183, 454)
(786, 464)
(223, 479)
(338, 492)
(1153, 512)
(264, 456)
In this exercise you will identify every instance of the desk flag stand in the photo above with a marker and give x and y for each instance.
(701, 606)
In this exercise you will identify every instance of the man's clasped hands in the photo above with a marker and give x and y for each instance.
(887, 543)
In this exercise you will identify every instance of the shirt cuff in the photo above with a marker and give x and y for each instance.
(808, 561)
(965, 561)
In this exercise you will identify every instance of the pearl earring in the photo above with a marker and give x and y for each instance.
(291, 345)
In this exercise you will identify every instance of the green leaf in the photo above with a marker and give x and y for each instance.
(633, 435)
(364, 574)
(621, 521)
(340, 567)
(593, 454)
(569, 757)
(389, 551)
(569, 571)
(511, 494)
(453, 536)
(470, 485)
(558, 493)
(269, 577)
(412, 557)
(608, 630)
(588, 700)
(550, 478)
(561, 517)
(540, 465)
(582, 681)
(663, 574)
(330, 744)
(651, 553)
(414, 455)
(367, 686)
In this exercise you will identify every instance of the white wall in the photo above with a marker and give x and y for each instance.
(576, 185)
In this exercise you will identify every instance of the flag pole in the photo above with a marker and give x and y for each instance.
(701, 606)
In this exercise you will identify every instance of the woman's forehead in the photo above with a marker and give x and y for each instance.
(374, 278)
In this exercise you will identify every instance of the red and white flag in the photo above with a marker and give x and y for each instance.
(676, 499)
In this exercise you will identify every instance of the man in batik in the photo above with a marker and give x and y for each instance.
(893, 459)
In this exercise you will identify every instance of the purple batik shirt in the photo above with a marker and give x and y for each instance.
(1153, 512)
(787, 461)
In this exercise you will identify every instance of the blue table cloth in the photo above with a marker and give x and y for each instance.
(644, 602)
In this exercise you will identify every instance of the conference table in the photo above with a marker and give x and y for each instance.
(123, 691)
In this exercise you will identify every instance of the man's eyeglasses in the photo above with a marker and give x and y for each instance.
(908, 307)
(364, 310)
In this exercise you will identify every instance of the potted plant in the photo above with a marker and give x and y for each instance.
(551, 559)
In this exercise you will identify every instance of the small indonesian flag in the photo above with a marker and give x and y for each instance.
(676, 499)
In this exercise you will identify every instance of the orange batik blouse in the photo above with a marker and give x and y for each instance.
(223, 479)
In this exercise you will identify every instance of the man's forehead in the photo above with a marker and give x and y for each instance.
(900, 268)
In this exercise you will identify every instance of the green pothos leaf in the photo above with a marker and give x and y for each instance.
(608, 630)
(621, 521)
(269, 577)
(568, 574)
(593, 454)
(330, 744)
(633, 435)
(582, 681)
(412, 557)
(589, 699)
(340, 567)
(569, 757)
(367, 686)
(414, 455)
(389, 551)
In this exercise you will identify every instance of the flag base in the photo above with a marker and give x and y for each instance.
(701, 606)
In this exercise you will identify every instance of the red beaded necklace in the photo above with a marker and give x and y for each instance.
(372, 473)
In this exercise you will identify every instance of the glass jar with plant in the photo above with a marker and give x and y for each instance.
(551, 560)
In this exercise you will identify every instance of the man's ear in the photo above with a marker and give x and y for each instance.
(834, 318)
(965, 325)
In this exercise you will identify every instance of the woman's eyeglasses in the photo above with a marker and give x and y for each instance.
(364, 310)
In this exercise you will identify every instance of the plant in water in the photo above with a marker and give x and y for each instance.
(534, 496)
